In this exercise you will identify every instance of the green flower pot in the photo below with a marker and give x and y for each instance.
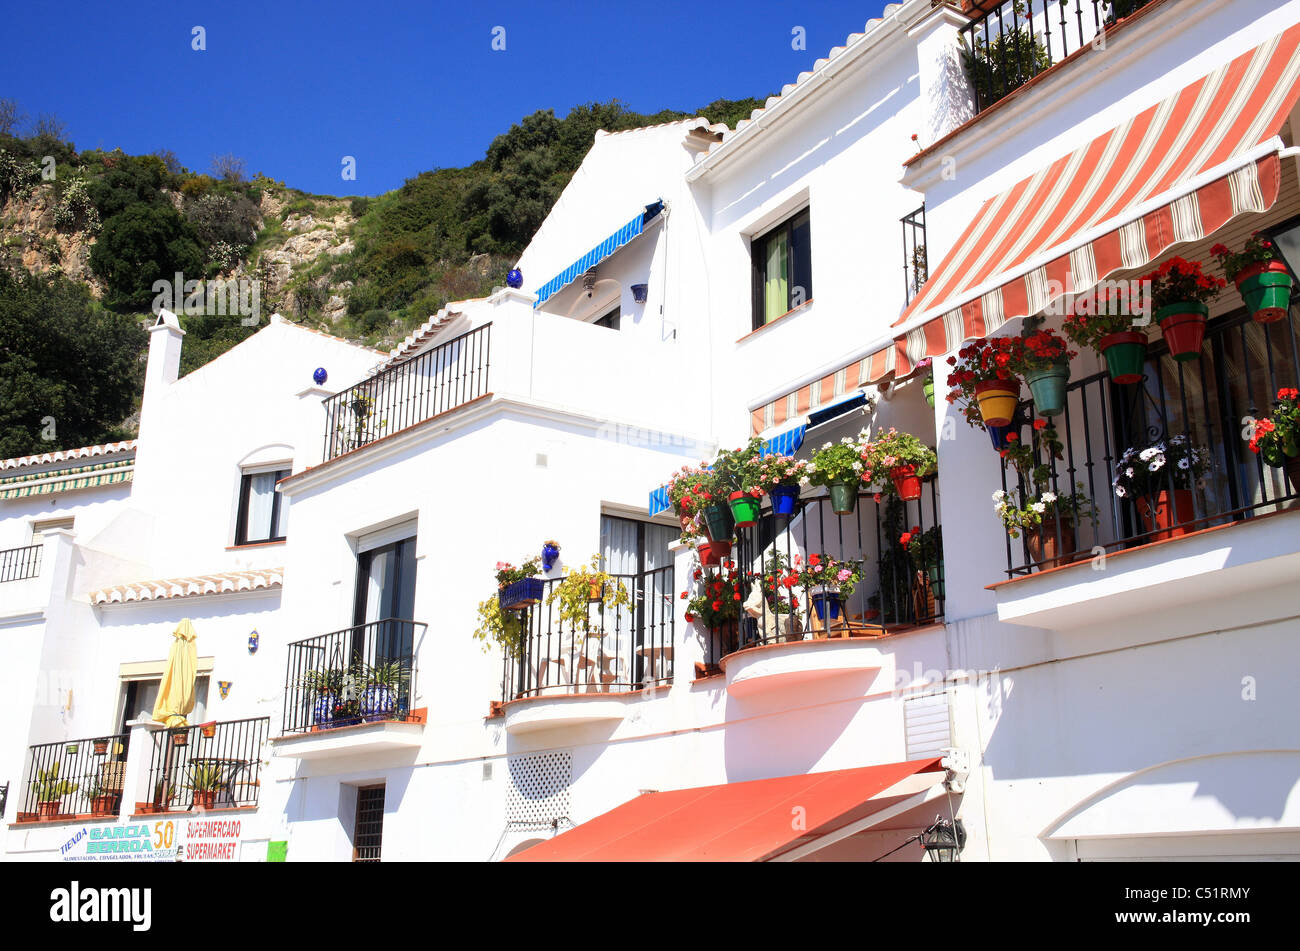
(928, 388)
(936, 583)
(718, 523)
(1126, 355)
(1267, 294)
(744, 508)
(1048, 389)
(844, 497)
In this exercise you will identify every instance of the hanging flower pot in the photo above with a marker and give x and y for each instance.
(998, 436)
(936, 582)
(550, 552)
(744, 508)
(997, 401)
(785, 498)
(101, 747)
(521, 594)
(906, 483)
(209, 729)
(1126, 356)
(928, 389)
(718, 523)
(844, 497)
(180, 737)
(1163, 520)
(596, 591)
(1183, 325)
(1048, 388)
(712, 553)
(1051, 542)
(1266, 289)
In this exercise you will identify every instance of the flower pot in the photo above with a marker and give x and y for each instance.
(718, 523)
(844, 497)
(712, 553)
(521, 594)
(997, 401)
(322, 711)
(1183, 325)
(1266, 289)
(998, 435)
(1048, 388)
(1051, 543)
(549, 554)
(744, 508)
(1162, 519)
(209, 730)
(105, 805)
(596, 591)
(785, 499)
(48, 809)
(1126, 356)
(906, 482)
(826, 604)
(180, 738)
(936, 582)
(205, 798)
(687, 522)
(101, 747)
(928, 389)
(377, 703)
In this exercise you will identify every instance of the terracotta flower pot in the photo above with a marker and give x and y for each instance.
(596, 592)
(712, 553)
(906, 482)
(48, 809)
(1266, 289)
(101, 747)
(104, 805)
(209, 730)
(180, 738)
(1162, 519)
(1051, 543)
(205, 798)
(997, 401)
(1183, 325)
(1126, 356)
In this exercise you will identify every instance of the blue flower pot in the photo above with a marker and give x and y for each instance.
(521, 594)
(826, 602)
(322, 711)
(549, 554)
(377, 703)
(998, 434)
(785, 499)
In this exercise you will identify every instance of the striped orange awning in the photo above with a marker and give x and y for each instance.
(1175, 172)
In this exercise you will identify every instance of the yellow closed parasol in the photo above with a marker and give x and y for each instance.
(176, 692)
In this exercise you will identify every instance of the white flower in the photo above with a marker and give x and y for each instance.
(1129, 472)
(1049, 496)
(1038, 507)
(1120, 492)
(999, 495)
(857, 467)
(1146, 454)
(1156, 464)
(1184, 463)
(804, 481)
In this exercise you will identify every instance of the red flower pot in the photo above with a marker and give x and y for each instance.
(712, 553)
(48, 809)
(1162, 518)
(1183, 325)
(906, 482)
(205, 798)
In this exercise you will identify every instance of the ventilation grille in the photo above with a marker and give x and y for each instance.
(927, 726)
(539, 790)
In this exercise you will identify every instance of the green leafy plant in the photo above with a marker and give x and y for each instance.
(393, 674)
(824, 571)
(924, 547)
(1005, 61)
(690, 489)
(1154, 468)
(48, 787)
(1021, 510)
(779, 580)
(981, 361)
(574, 593)
(739, 470)
(204, 777)
(1099, 315)
(508, 574)
(1258, 249)
(892, 449)
(848, 461)
(495, 626)
(323, 681)
(1039, 350)
(717, 600)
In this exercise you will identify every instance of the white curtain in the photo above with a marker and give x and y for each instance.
(261, 498)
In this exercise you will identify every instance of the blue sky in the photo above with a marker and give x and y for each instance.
(403, 87)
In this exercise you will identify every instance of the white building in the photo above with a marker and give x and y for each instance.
(694, 287)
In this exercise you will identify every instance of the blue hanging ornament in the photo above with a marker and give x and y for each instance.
(320, 376)
(515, 278)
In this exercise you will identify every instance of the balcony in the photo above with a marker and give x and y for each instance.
(584, 670)
(791, 635)
(19, 564)
(208, 766)
(75, 779)
(1019, 39)
(350, 692)
(428, 385)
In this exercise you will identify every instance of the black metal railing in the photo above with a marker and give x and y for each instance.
(901, 585)
(611, 647)
(360, 674)
(75, 778)
(1203, 406)
(916, 267)
(19, 563)
(207, 766)
(1016, 40)
(449, 375)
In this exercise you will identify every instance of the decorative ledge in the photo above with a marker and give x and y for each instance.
(546, 712)
(359, 740)
(756, 670)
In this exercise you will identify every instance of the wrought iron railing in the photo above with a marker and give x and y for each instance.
(901, 586)
(19, 563)
(611, 647)
(1204, 406)
(207, 766)
(360, 674)
(449, 375)
(75, 778)
(1015, 41)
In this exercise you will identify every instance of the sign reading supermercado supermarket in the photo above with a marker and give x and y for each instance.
(165, 840)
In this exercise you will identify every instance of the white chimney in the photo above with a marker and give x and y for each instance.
(164, 362)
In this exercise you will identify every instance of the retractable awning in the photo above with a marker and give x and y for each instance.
(743, 822)
(1176, 172)
(601, 251)
(782, 444)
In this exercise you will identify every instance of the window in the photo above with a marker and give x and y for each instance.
(368, 833)
(40, 528)
(263, 516)
(782, 264)
(612, 320)
(916, 267)
(139, 694)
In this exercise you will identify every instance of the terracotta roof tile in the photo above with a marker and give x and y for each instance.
(222, 582)
(63, 455)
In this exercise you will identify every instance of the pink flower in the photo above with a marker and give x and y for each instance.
(843, 574)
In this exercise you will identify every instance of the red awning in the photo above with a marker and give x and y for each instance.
(1174, 173)
(735, 822)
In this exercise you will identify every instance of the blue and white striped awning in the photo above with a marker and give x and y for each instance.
(782, 444)
(597, 254)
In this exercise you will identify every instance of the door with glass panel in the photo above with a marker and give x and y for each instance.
(385, 604)
(641, 633)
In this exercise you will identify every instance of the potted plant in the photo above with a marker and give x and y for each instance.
(1276, 438)
(583, 587)
(926, 368)
(982, 379)
(550, 552)
(828, 583)
(100, 746)
(1159, 479)
(1046, 517)
(716, 605)
(498, 626)
(781, 477)
(322, 685)
(180, 736)
(516, 586)
(49, 790)
(103, 800)
(1043, 358)
(384, 686)
(205, 782)
(209, 729)
(1104, 323)
(906, 459)
(843, 467)
(686, 489)
(1180, 294)
(163, 793)
(738, 475)
(1261, 277)
(778, 582)
(926, 551)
